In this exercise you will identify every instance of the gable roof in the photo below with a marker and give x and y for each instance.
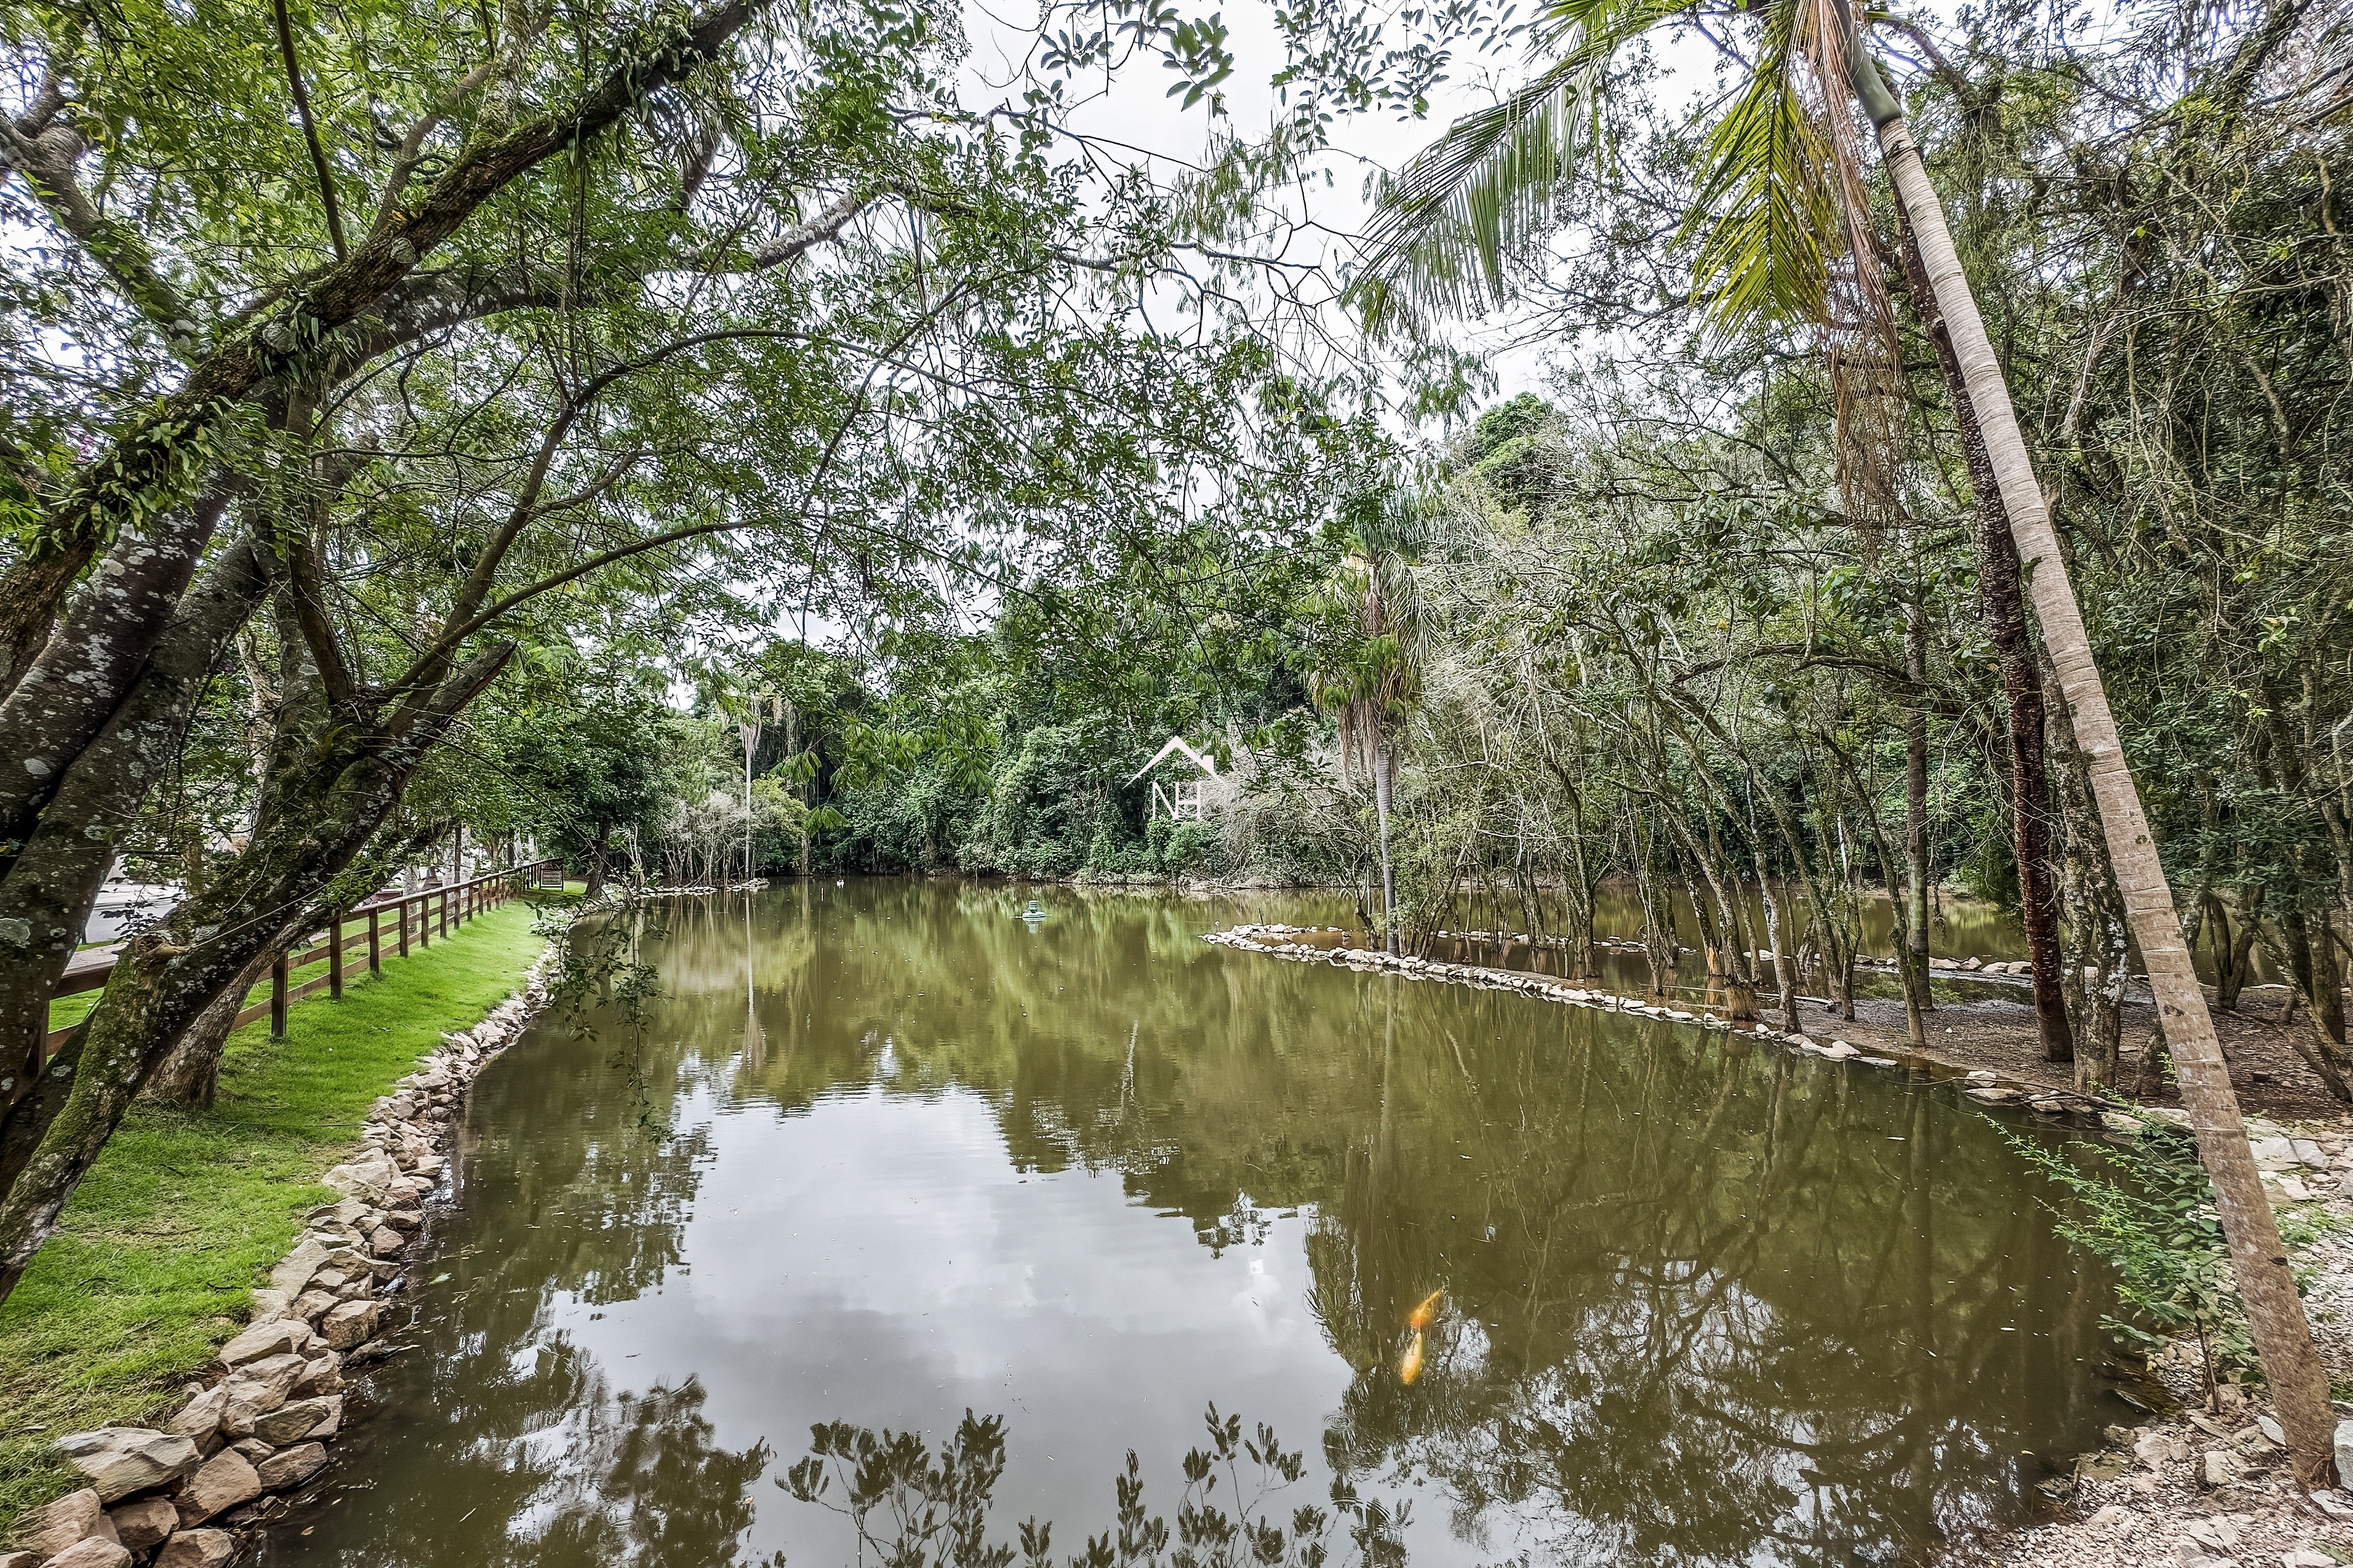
(1176, 743)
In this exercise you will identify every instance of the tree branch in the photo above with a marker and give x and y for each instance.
(310, 129)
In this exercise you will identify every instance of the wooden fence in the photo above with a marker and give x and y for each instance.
(385, 924)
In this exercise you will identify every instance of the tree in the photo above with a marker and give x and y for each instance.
(606, 327)
(592, 774)
(1368, 674)
(1782, 183)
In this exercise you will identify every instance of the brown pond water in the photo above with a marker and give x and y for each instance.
(887, 1153)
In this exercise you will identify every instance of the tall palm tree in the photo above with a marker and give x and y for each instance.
(1781, 181)
(1371, 686)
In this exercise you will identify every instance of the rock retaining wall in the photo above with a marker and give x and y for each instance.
(196, 1492)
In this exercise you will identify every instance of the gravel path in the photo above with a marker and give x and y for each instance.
(2211, 1489)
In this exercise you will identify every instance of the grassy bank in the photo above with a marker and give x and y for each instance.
(184, 1211)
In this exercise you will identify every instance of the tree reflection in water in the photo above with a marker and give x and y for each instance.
(1703, 1304)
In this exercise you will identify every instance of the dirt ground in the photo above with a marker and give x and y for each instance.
(1997, 1031)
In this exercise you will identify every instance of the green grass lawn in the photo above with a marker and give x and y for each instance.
(186, 1211)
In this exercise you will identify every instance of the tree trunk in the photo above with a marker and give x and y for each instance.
(2312, 962)
(1659, 944)
(1384, 774)
(1785, 973)
(2233, 943)
(597, 861)
(2098, 953)
(2281, 1333)
(58, 873)
(2004, 612)
(167, 977)
(1912, 931)
(190, 1076)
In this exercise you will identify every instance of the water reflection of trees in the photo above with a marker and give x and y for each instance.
(1704, 1301)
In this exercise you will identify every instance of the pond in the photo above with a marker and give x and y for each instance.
(887, 1151)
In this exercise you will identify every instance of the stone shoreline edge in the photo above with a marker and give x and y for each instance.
(197, 1492)
(1983, 1084)
(2184, 1481)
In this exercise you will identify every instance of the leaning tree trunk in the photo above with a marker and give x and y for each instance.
(190, 1076)
(56, 875)
(2283, 1335)
(167, 977)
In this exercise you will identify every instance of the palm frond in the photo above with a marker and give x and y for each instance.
(1447, 227)
(1767, 212)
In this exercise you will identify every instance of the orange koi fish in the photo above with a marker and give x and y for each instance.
(1410, 1368)
(1422, 1317)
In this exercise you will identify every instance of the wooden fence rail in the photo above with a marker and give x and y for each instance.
(425, 916)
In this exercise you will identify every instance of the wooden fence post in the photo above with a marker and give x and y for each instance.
(278, 997)
(404, 928)
(335, 958)
(375, 943)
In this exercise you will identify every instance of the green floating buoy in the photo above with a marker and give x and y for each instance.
(1035, 911)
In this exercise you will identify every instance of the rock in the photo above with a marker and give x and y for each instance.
(386, 1242)
(142, 1526)
(2275, 1154)
(2345, 1448)
(2214, 1532)
(2221, 1467)
(254, 1450)
(198, 1549)
(269, 1302)
(225, 1481)
(201, 1416)
(278, 1336)
(91, 1554)
(1985, 1075)
(324, 1375)
(2114, 1514)
(2270, 1427)
(294, 1270)
(1993, 1096)
(20, 1559)
(260, 1510)
(350, 1323)
(2303, 1557)
(2293, 1189)
(265, 1384)
(292, 1467)
(71, 1520)
(2313, 1155)
(366, 1178)
(296, 1422)
(122, 1460)
(406, 1221)
(2333, 1504)
(311, 1304)
(1838, 1050)
(2155, 1447)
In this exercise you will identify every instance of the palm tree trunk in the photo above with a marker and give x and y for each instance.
(2283, 1335)
(1384, 771)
